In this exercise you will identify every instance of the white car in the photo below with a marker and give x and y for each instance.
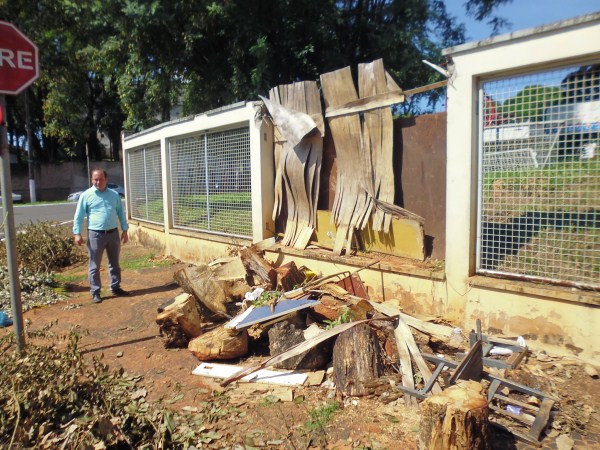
(17, 198)
(73, 197)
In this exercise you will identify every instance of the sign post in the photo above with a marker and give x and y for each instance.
(19, 67)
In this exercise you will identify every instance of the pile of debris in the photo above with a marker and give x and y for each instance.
(239, 306)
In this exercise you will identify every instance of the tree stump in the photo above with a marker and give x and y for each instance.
(356, 361)
(455, 419)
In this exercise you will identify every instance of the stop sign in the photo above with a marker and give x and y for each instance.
(19, 60)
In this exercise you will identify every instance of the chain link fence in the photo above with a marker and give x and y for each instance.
(539, 176)
(211, 182)
(145, 184)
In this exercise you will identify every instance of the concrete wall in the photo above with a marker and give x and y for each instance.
(57, 181)
(565, 320)
(261, 160)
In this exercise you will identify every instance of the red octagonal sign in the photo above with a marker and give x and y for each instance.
(19, 60)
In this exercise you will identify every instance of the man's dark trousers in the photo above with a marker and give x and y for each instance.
(98, 241)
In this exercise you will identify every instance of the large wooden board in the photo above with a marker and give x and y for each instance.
(298, 155)
(364, 150)
(405, 237)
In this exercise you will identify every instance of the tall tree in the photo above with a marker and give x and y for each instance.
(114, 64)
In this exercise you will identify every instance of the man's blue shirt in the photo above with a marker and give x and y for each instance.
(101, 209)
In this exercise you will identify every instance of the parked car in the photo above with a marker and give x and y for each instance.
(73, 197)
(17, 198)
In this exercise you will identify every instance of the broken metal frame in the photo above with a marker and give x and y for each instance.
(542, 413)
(512, 362)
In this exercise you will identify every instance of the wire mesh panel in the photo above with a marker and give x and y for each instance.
(539, 183)
(211, 184)
(145, 184)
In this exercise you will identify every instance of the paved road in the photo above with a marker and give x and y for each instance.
(53, 212)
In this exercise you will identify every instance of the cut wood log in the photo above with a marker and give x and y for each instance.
(256, 264)
(284, 335)
(231, 270)
(219, 344)
(295, 350)
(455, 419)
(289, 277)
(356, 361)
(334, 308)
(205, 286)
(184, 310)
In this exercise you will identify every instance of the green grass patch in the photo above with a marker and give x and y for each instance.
(320, 417)
(143, 262)
(69, 279)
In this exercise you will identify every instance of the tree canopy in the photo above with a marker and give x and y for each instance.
(109, 65)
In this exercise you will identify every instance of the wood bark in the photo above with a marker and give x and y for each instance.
(205, 286)
(284, 335)
(255, 264)
(455, 419)
(219, 344)
(356, 361)
(181, 320)
(289, 277)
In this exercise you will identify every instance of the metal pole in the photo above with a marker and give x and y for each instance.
(87, 157)
(32, 195)
(10, 234)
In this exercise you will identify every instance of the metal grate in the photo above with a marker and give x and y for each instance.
(539, 176)
(211, 183)
(145, 184)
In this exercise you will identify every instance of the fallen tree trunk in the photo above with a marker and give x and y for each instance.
(356, 361)
(455, 419)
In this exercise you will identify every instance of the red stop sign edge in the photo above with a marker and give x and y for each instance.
(36, 58)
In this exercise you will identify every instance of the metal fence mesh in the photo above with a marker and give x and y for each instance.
(211, 183)
(145, 184)
(539, 183)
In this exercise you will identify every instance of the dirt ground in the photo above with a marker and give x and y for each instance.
(123, 331)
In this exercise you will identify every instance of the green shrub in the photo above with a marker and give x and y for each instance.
(42, 248)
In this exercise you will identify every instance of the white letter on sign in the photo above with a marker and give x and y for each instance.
(7, 55)
(24, 60)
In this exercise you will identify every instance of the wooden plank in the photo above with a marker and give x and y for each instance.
(406, 334)
(298, 349)
(299, 162)
(405, 366)
(405, 238)
(214, 370)
(394, 96)
(352, 204)
(440, 332)
(378, 140)
(366, 104)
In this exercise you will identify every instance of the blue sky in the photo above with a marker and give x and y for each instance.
(524, 14)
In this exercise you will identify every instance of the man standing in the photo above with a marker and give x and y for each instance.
(101, 207)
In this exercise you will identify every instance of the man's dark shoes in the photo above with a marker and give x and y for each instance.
(120, 292)
(96, 298)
